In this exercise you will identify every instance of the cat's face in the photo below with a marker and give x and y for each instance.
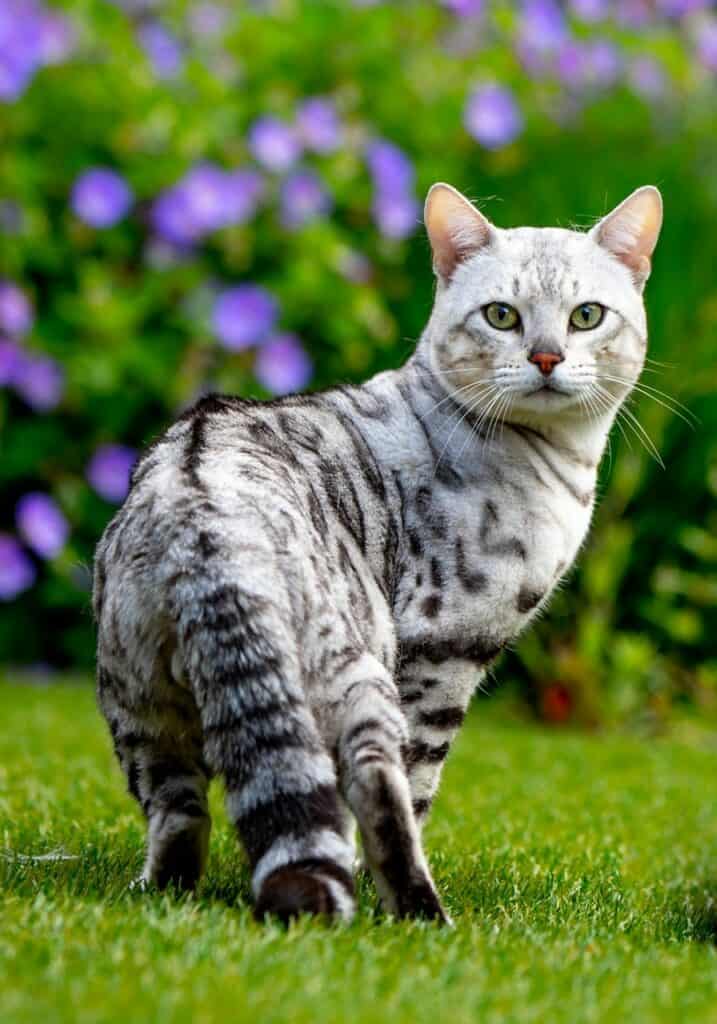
(539, 322)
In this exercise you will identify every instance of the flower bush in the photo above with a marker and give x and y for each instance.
(204, 195)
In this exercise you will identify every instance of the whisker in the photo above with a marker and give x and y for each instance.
(486, 414)
(604, 406)
(639, 431)
(621, 366)
(467, 412)
(594, 414)
(450, 395)
(661, 397)
(499, 413)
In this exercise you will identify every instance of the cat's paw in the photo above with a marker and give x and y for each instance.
(293, 890)
(421, 900)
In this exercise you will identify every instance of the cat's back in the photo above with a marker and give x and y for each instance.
(281, 473)
(221, 454)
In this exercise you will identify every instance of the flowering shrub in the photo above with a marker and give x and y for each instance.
(204, 195)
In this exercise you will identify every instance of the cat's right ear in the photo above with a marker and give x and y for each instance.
(631, 231)
(455, 228)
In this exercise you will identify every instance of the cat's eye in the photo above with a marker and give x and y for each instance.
(501, 316)
(587, 316)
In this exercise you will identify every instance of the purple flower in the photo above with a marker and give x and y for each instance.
(109, 471)
(680, 8)
(205, 199)
(10, 359)
(274, 144)
(171, 218)
(17, 573)
(41, 524)
(243, 316)
(20, 50)
(57, 38)
(394, 207)
(282, 365)
(397, 216)
(633, 13)
(208, 20)
(11, 217)
(100, 197)
(245, 189)
(464, 8)
(542, 25)
(647, 78)
(205, 190)
(492, 116)
(136, 7)
(163, 50)
(707, 44)
(303, 199)
(390, 168)
(571, 63)
(16, 316)
(15, 74)
(588, 64)
(318, 125)
(39, 380)
(604, 62)
(590, 10)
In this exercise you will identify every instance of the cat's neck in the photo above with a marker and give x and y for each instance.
(461, 443)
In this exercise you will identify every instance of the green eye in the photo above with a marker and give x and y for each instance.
(501, 316)
(587, 316)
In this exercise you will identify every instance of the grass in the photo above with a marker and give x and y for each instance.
(580, 871)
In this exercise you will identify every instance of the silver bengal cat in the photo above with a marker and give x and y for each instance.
(300, 596)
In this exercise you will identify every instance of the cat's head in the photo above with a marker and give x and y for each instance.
(537, 322)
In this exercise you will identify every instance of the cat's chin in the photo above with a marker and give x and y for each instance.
(547, 401)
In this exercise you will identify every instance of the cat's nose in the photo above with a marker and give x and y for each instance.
(546, 361)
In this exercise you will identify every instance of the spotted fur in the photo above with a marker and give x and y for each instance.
(300, 596)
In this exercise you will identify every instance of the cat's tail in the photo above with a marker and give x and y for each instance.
(235, 645)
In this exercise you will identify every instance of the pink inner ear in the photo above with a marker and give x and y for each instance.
(456, 229)
(631, 232)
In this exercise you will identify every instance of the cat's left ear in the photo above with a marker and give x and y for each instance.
(456, 229)
(630, 232)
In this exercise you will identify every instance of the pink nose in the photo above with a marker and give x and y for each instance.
(545, 361)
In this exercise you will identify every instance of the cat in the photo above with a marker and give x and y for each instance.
(301, 596)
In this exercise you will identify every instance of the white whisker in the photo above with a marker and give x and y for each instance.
(661, 397)
(456, 391)
(638, 429)
(467, 412)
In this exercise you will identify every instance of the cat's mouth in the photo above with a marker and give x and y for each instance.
(547, 386)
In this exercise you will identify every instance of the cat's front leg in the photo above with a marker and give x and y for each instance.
(434, 698)
(371, 743)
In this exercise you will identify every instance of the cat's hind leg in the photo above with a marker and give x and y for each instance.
(159, 746)
(372, 741)
(261, 736)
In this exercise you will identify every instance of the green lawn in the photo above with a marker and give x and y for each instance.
(581, 873)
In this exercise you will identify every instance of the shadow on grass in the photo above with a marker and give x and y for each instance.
(691, 914)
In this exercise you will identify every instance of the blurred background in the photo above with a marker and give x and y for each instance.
(207, 195)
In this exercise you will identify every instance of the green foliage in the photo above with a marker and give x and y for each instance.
(634, 631)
